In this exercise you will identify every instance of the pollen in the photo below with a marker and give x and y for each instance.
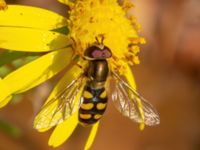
(108, 20)
(3, 5)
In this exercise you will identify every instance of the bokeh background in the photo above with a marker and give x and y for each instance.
(168, 76)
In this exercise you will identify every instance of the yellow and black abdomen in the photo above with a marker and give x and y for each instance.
(94, 97)
(93, 105)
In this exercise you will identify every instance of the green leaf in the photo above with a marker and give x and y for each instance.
(10, 129)
(4, 70)
(17, 99)
(63, 30)
(9, 56)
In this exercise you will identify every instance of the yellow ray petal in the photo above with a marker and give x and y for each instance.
(131, 80)
(63, 131)
(92, 136)
(3, 5)
(31, 17)
(129, 76)
(44, 120)
(5, 101)
(4, 94)
(36, 72)
(43, 130)
(31, 40)
(70, 75)
(39, 70)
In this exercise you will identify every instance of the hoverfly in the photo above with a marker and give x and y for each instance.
(92, 101)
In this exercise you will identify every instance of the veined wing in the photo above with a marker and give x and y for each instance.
(131, 104)
(62, 106)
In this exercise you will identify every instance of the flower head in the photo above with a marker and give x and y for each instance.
(34, 30)
(105, 19)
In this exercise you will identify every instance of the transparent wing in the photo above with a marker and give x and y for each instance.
(62, 106)
(131, 104)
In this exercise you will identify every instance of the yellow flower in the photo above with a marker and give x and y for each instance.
(32, 29)
(90, 19)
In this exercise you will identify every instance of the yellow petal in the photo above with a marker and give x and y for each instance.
(129, 76)
(4, 94)
(43, 130)
(63, 131)
(70, 75)
(31, 40)
(5, 101)
(31, 17)
(131, 80)
(45, 119)
(92, 136)
(3, 5)
(37, 71)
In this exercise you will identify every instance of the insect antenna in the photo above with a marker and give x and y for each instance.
(97, 40)
(100, 42)
(102, 39)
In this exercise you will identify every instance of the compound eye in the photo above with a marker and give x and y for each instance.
(107, 53)
(96, 53)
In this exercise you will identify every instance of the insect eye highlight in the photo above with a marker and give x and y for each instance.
(96, 53)
(107, 53)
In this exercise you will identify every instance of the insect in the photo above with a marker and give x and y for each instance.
(87, 94)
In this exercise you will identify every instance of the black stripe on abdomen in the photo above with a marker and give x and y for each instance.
(93, 105)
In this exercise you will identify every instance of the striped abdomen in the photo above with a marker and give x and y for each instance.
(93, 105)
(94, 98)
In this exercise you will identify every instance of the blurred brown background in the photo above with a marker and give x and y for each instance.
(168, 76)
